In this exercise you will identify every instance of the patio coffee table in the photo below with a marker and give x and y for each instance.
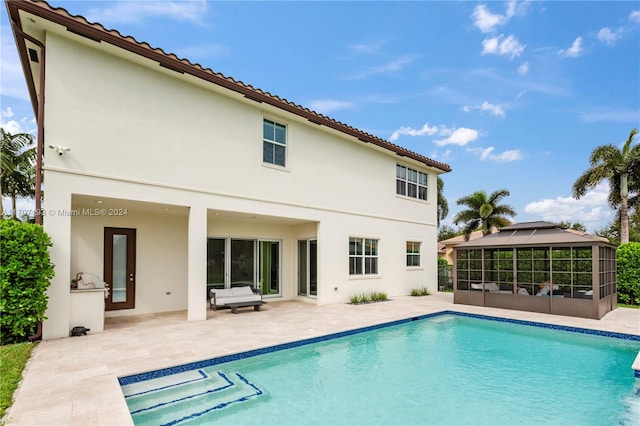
(234, 306)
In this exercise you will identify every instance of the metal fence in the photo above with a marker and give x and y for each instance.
(445, 277)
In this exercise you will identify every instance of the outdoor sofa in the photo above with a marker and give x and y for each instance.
(236, 297)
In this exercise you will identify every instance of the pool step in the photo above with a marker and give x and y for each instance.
(154, 401)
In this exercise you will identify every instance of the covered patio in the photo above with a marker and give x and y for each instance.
(538, 267)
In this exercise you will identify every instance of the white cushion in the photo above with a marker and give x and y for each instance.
(245, 290)
(491, 287)
(224, 292)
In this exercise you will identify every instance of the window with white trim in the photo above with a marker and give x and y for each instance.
(363, 256)
(411, 183)
(274, 142)
(413, 253)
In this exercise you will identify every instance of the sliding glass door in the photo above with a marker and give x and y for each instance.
(237, 262)
(270, 267)
(216, 261)
(308, 268)
(242, 262)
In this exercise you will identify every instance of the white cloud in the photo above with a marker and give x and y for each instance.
(486, 106)
(574, 51)
(367, 48)
(461, 136)
(504, 157)
(328, 105)
(634, 16)
(610, 114)
(507, 156)
(14, 126)
(609, 37)
(391, 66)
(499, 45)
(7, 113)
(409, 131)
(138, 11)
(592, 210)
(492, 109)
(490, 45)
(486, 21)
(524, 68)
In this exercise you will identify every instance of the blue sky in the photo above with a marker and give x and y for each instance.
(512, 95)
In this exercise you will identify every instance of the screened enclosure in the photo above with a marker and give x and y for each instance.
(538, 267)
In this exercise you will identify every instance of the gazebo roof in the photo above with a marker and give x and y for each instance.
(534, 234)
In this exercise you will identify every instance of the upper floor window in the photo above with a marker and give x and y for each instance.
(274, 142)
(413, 253)
(411, 183)
(363, 256)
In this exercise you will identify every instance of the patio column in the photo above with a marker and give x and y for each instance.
(197, 264)
(57, 224)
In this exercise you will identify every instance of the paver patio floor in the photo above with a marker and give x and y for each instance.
(74, 380)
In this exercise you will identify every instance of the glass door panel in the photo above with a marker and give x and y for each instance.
(119, 269)
(307, 268)
(215, 263)
(313, 267)
(242, 263)
(302, 267)
(270, 267)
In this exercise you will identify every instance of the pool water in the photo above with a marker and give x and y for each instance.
(446, 369)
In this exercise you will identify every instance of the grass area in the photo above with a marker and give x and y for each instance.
(624, 305)
(13, 358)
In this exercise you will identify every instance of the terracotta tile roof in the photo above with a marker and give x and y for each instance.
(80, 25)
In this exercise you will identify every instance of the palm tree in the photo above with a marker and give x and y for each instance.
(443, 205)
(622, 168)
(484, 212)
(17, 174)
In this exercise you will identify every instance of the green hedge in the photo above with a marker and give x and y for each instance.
(628, 258)
(25, 271)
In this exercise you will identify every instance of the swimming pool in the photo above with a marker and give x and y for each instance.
(448, 368)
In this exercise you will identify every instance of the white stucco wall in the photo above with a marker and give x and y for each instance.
(151, 135)
(155, 127)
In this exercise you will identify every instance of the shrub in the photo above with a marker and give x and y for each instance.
(628, 258)
(378, 296)
(374, 296)
(422, 291)
(25, 271)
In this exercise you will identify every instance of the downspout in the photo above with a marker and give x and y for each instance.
(39, 120)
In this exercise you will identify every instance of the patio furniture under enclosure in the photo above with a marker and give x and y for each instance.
(538, 267)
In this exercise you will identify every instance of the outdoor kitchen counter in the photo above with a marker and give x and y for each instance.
(87, 309)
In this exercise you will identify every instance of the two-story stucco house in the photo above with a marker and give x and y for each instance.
(167, 179)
